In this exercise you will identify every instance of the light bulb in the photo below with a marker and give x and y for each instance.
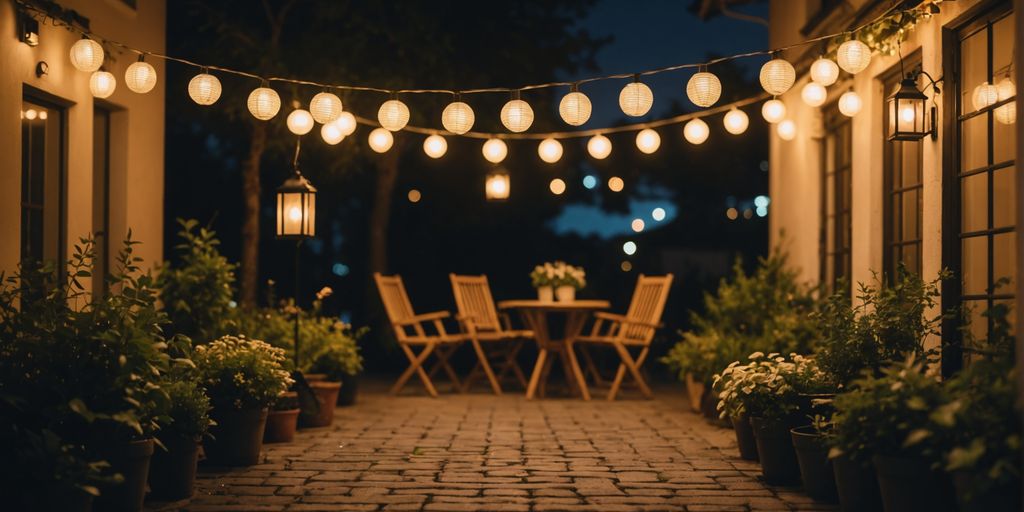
(599, 147)
(393, 115)
(550, 150)
(435, 146)
(907, 115)
(557, 186)
(696, 131)
(495, 150)
(300, 121)
(331, 133)
(736, 121)
(102, 84)
(773, 111)
(636, 99)
(517, 116)
(850, 103)
(648, 141)
(825, 71)
(86, 55)
(295, 213)
(380, 140)
(777, 76)
(704, 89)
(458, 117)
(1006, 89)
(204, 89)
(575, 108)
(853, 56)
(984, 95)
(140, 77)
(325, 107)
(346, 123)
(814, 94)
(786, 130)
(263, 103)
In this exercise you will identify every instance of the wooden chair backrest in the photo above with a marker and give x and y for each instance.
(475, 302)
(647, 305)
(396, 301)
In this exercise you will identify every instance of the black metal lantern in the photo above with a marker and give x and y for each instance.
(296, 208)
(909, 116)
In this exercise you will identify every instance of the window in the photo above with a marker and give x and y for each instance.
(42, 181)
(979, 202)
(903, 184)
(101, 197)
(836, 197)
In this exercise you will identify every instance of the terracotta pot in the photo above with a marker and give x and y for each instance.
(131, 459)
(694, 392)
(349, 390)
(998, 498)
(281, 426)
(546, 294)
(856, 485)
(775, 451)
(314, 377)
(236, 438)
(745, 439)
(173, 472)
(565, 293)
(327, 396)
(910, 484)
(815, 468)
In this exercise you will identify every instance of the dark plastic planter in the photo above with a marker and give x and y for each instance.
(281, 426)
(131, 460)
(775, 451)
(173, 471)
(744, 437)
(327, 396)
(236, 438)
(856, 485)
(815, 468)
(73, 500)
(349, 390)
(908, 484)
(1004, 498)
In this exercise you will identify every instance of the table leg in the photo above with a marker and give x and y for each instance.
(538, 324)
(573, 327)
(538, 369)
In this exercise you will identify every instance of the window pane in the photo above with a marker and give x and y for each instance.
(1003, 144)
(974, 202)
(974, 144)
(1002, 47)
(978, 324)
(909, 214)
(911, 257)
(911, 163)
(1004, 205)
(1004, 254)
(975, 265)
(973, 68)
(830, 154)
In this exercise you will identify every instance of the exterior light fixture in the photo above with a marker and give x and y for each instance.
(28, 31)
(910, 118)
(498, 185)
(636, 98)
(296, 208)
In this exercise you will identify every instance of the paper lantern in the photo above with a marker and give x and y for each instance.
(263, 103)
(773, 111)
(814, 94)
(777, 76)
(331, 133)
(696, 131)
(557, 186)
(599, 147)
(458, 117)
(1006, 89)
(850, 103)
(575, 108)
(495, 150)
(636, 99)
(704, 89)
(140, 77)
(736, 121)
(984, 95)
(102, 84)
(648, 141)
(853, 56)
(300, 121)
(786, 130)
(517, 115)
(325, 107)
(550, 150)
(204, 89)
(393, 115)
(498, 185)
(825, 71)
(380, 140)
(435, 146)
(86, 55)
(346, 123)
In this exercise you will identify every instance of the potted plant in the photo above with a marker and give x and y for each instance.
(542, 279)
(564, 278)
(242, 377)
(282, 419)
(339, 359)
(173, 470)
(730, 406)
(814, 407)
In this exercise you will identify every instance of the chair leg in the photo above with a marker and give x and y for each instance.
(591, 367)
(442, 363)
(415, 366)
(510, 364)
(634, 371)
(482, 356)
(538, 368)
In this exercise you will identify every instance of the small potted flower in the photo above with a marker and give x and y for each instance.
(340, 360)
(542, 278)
(282, 419)
(173, 469)
(242, 377)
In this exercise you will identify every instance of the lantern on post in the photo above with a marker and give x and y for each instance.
(910, 118)
(296, 220)
(498, 185)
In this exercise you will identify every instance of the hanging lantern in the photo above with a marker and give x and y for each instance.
(296, 208)
(786, 130)
(517, 115)
(850, 103)
(636, 98)
(853, 56)
(1006, 114)
(550, 150)
(393, 115)
(435, 146)
(908, 118)
(263, 102)
(648, 141)
(777, 76)
(204, 88)
(984, 95)
(495, 150)
(331, 133)
(696, 131)
(300, 121)
(814, 94)
(773, 111)
(498, 184)
(380, 140)
(140, 76)
(825, 71)
(736, 121)
(102, 84)
(704, 89)
(86, 55)
(599, 147)
(325, 107)
(346, 123)
(458, 117)
(575, 107)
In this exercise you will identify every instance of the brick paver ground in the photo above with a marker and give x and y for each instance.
(480, 452)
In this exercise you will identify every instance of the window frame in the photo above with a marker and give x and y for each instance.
(835, 124)
(60, 107)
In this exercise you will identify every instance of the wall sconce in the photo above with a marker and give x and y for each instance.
(28, 30)
(498, 185)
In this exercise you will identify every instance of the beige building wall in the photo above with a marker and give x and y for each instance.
(137, 124)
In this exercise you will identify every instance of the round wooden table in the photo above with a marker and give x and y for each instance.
(535, 315)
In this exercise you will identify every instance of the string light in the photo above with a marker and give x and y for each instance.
(346, 123)
(696, 131)
(773, 111)
(458, 117)
(300, 121)
(102, 84)
(550, 150)
(629, 248)
(786, 130)
(636, 99)
(380, 140)
(736, 121)
(435, 146)
(648, 141)
(140, 76)
(393, 115)
(575, 108)
(264, 103)
(495, 150)
(517, 115)
(325, 107)
(850, 103)
(557, 186)
(777, 76)
(1006, 114)
(825, 71)
(853, 56)
(331, 133)
(498, 185)
(703, 89)
(204, 89)
(814, 94)
(86, 55)
(599, 147)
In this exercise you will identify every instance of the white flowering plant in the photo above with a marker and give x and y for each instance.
(767, 386)
(558, 273)
(241, 373)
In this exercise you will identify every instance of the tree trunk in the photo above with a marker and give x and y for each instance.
(380, 215)
(250, 264)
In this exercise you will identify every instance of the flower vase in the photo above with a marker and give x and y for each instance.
(565, 293)
(545, 294)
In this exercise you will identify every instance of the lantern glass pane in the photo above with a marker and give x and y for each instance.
(310, 227)
(294, 213)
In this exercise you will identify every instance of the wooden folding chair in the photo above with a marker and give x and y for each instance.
(480, 323)
(634, 329)
(410, 331)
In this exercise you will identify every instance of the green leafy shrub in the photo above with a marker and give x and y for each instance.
(241, 373)
(339, 356)
(765, 387)
(189, 409)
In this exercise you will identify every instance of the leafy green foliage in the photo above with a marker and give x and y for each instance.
(190, 408)
(766, 387)
(241, 373)
(339, 354)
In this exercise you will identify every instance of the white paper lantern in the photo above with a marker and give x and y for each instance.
(773, 111)
(495, 150)
(850, 103)
(458, 117)
(346, 123)
(102, 84)
(204, 89)
(575, 108)
(393, 115)
(435, 146)
(331, 133)
(1006, 89)
(599, 147)
(736, 121)
(325, 107)
(777, 76)
(825, 71)
(264, 103)
(984, 95)
(550, 150)
(636, 99)
(86, 55)
(696, 131)
(704, 89)
(814, 94)
(853, 56)
(380, 140)
(300, 121)
(517, 115)
(648, 141)
(786, 130)
(140, 77)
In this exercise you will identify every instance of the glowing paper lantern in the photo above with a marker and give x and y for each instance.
(380, 140)
(86, 55)
(458, 117)
(102, 84)
(786, 130)
(325, 107)
(575, 108)
(300, 121)
(204, 89)
(346, 123)
(599, 147)
(517, 115)
(853, 56)
(550, 150)
(435, 146)
(736, 121)
(825, 71)
(495, 150)
(1006, 114)
(984, 95)
(850, 103)
(777, 76)
(636, 99)
(704, 89)
(648, 141)
(393, 115)
(773, 111)
(814, 94)
(263, 103)
(331, 133)
(140, 77)
(696, 131)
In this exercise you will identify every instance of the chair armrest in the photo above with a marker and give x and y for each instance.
(426, 317)
(652, 325)
(610, 316)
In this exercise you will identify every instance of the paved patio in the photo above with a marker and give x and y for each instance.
(480, 452)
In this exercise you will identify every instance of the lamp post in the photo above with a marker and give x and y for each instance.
(296, 220)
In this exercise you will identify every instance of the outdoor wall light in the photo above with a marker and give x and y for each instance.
(29, 30)
(910, 118)
(498, 185)
(296, 208)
